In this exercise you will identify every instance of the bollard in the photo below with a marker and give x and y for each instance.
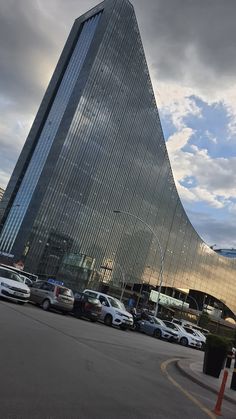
(217, 408)
(233, 381)
(229, 359)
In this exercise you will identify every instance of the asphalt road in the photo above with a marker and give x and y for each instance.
(55, 366)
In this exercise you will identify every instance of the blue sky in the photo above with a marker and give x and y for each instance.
(192, 66)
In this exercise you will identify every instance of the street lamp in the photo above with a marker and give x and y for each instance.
(123, 280)
(192, 298)
(160, 249)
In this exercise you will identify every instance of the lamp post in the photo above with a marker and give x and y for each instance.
(123, 280)
(160, 249)
(189, 296)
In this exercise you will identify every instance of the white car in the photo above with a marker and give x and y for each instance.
(12, 286)
(201, 336)
(113, 311)
(186, 337)
(194, 333)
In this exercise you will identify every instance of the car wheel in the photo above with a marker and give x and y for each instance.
(157, 334)
(93, 320)
(46, 305)
(184, 341)
(123, 327)
(137, 327)
(108, 320)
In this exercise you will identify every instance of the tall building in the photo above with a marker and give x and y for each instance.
(96, 146)
(1, 193)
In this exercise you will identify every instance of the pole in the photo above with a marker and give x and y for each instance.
(160, 249)
(217, 408)
(123, 281)
(233, 381)
(189, 296)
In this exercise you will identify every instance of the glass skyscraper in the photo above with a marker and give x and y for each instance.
(96, 146)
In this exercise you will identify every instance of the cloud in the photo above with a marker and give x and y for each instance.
(212, 230)
(215, 177)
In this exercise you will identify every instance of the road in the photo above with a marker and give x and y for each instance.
(56, 366)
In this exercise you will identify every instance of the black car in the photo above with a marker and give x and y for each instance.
(86, 306)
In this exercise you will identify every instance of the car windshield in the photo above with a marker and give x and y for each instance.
(190, 331)
(157, 321)
(170, 325)
(10, 275)
(116, 303)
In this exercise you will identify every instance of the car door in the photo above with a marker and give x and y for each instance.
(105, 306)
(150, 326)
(35, 292)
(43, 291)
(146, 326)
(79, 298)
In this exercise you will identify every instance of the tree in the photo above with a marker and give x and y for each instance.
(204, 320)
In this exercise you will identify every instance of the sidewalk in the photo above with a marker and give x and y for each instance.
(193, 370)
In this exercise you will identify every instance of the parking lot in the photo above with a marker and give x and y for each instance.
(56, 366)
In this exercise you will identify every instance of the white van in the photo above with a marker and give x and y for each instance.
(113, 311)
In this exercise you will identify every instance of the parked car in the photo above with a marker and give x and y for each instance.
(32, 277)
(194, 333)
(12, 286)
(157, 328)
(113, 311)
(86, 306)
(185, 338)
(50, 295)
(26, 280)
(201, 336)
(184, 322)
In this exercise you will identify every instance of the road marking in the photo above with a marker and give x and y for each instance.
(185, 392)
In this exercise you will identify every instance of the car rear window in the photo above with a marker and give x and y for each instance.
(65, 291)
(93, 300)
(91, 294)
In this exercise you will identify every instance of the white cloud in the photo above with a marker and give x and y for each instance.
(175, 101)
(178, 140)
(210, 136)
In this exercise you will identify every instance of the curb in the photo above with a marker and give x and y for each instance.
(196, 380)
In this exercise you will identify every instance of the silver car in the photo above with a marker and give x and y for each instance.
(157, 328)
(50, 295)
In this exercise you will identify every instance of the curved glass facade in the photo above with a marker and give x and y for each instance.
(108, 154)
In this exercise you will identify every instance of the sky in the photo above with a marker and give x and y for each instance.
(191, 53)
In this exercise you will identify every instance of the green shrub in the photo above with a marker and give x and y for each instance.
(216, 341)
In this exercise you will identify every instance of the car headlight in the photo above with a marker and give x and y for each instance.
(3, 284)
(119, 313)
